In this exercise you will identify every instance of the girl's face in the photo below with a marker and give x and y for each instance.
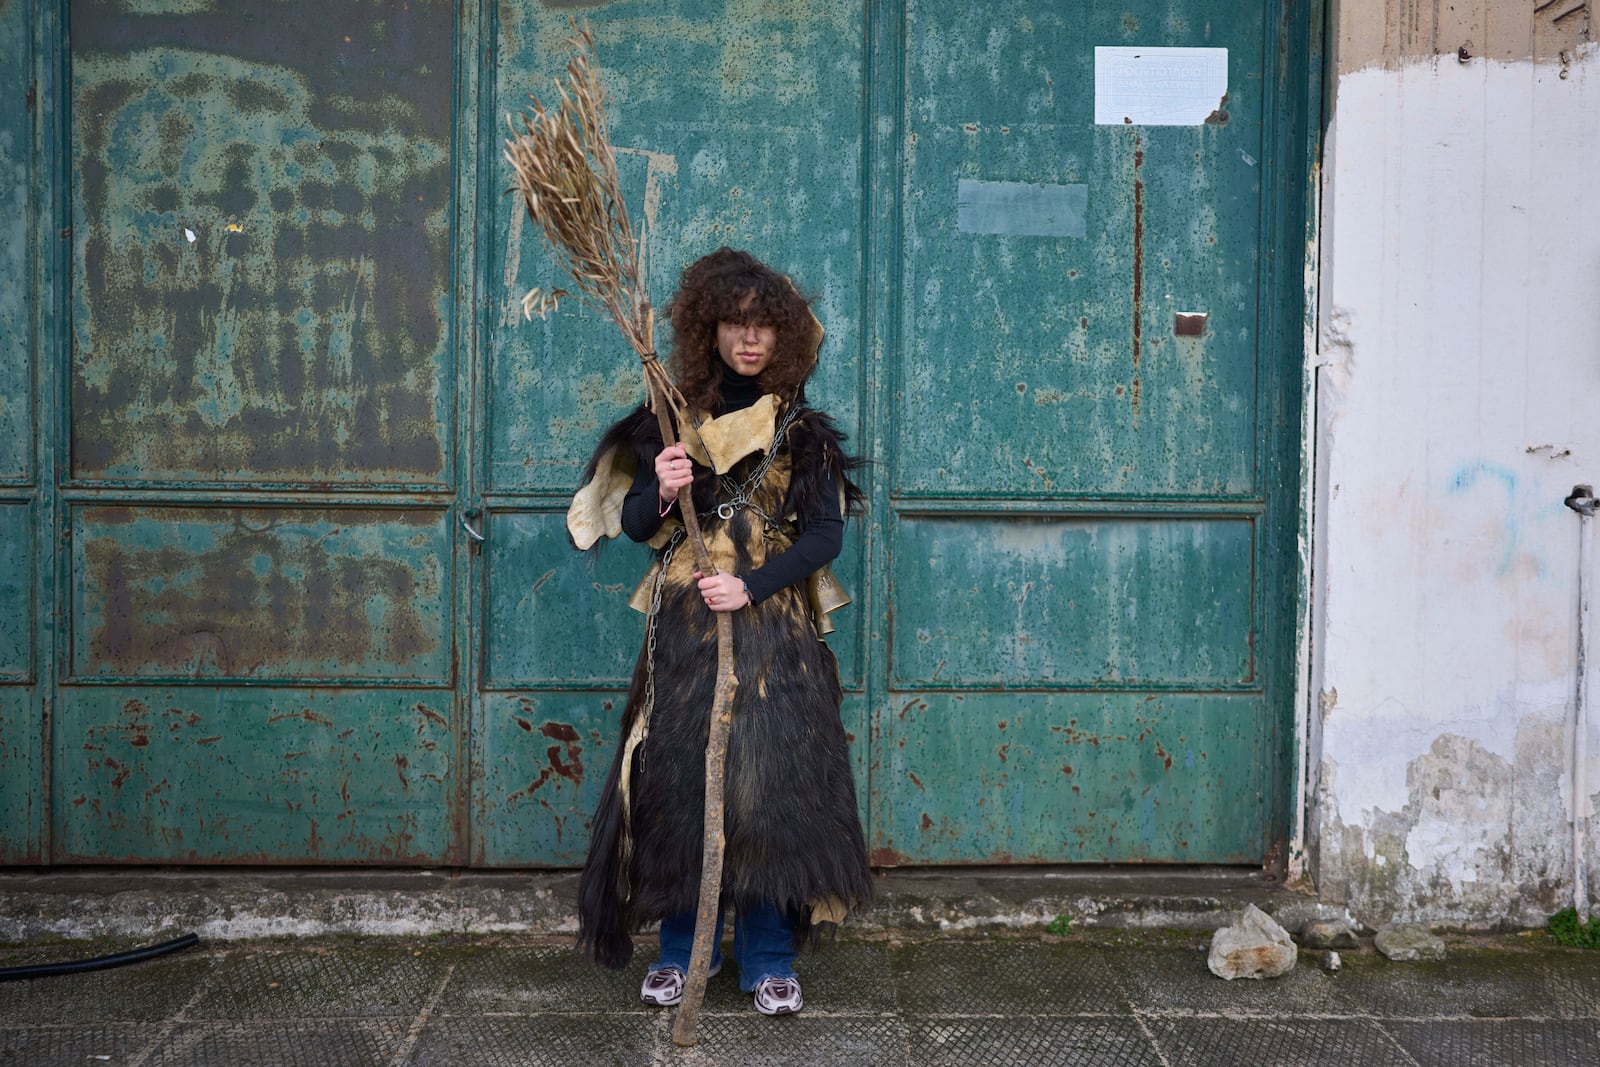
(747, 348)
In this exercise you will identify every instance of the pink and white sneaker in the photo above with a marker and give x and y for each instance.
(778, 996)
(663, 986)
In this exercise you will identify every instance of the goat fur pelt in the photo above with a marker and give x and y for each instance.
(792, 829)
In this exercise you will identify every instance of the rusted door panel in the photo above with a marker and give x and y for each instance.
(741, 130)
(1075, 483)
(21, 775)
(732, 130)
(543, 758)
(234, 593)
(1072, 602)
(21, 725)
(206, 775)
(262, 284)
(17, 97)
(16, 591)
(261, 225)
(1072, 778)
(1048, 366)
(555, 618)
(21, 719)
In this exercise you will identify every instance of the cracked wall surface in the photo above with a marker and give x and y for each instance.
(1457, 391)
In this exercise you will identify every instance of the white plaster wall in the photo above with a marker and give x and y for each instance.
(1458, 402)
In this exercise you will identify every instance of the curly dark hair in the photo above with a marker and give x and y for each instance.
(712, 289)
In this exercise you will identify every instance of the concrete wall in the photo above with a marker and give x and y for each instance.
(1457, 403)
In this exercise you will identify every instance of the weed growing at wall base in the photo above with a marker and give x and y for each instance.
(1566, 929)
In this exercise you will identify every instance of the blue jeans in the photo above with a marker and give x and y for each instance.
(763, 944)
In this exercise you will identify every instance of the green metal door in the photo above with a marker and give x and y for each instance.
(1084, 436)
(274, 369)
(736, 127)
(257, 658)
(21, 501)
(1073, 594)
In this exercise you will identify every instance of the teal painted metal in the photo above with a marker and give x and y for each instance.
(1057, 603)
(1078, 552)
(1043, 777)
(267, 593)
(21, 733)
(205, 774)
(17, 98)
(22, 744)
(258, 465)
(261, 230)
(17, 621)
(544, 758)
(740, 128)
(1049, 369)
(1051, 425)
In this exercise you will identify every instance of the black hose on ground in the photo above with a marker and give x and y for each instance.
(98, 963)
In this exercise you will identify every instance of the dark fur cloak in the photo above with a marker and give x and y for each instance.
(792, 830)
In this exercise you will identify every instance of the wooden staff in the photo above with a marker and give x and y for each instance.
(566, 173)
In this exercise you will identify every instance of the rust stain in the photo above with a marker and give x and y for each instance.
(525, 724)
(927, 823)
(915, 781)
(207, 740)
(1138, 267)
(430, 715)
(559, 731)
(400, 765)
(123, 772)
(886, 857)
(257, 591)
(573, 771)
(304, 714)
(300, 336)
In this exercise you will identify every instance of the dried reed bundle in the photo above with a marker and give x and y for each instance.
(566, 172)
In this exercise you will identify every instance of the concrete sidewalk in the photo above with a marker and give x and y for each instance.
(1099, 997)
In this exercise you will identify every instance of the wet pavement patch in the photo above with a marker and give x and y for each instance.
(910, 1000)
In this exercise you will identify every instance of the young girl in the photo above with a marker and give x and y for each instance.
(771, 488)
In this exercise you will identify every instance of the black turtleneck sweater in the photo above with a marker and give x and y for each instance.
(821, 534)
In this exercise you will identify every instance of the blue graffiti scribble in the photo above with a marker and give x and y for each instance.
(1468, 475)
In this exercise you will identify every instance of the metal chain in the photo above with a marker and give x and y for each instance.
(650, 642)
(737, 495)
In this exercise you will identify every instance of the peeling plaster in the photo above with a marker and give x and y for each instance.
(1455, 383)
(1479, 840)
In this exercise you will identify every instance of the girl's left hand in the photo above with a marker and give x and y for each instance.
(723, 591)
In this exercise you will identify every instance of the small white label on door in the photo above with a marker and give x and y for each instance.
(1159, 86)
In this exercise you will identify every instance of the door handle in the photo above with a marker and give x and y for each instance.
(466, 519)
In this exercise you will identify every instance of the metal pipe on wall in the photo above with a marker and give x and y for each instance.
(1582, 501)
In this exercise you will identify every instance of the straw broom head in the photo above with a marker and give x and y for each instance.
(565, 170)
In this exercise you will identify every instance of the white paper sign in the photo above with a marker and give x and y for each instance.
(1158, 86)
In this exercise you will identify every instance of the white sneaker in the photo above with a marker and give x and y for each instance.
(663, 986)
(778, 996)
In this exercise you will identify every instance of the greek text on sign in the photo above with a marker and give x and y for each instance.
(1158, 86)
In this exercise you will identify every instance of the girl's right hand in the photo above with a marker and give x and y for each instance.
(674, 470)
